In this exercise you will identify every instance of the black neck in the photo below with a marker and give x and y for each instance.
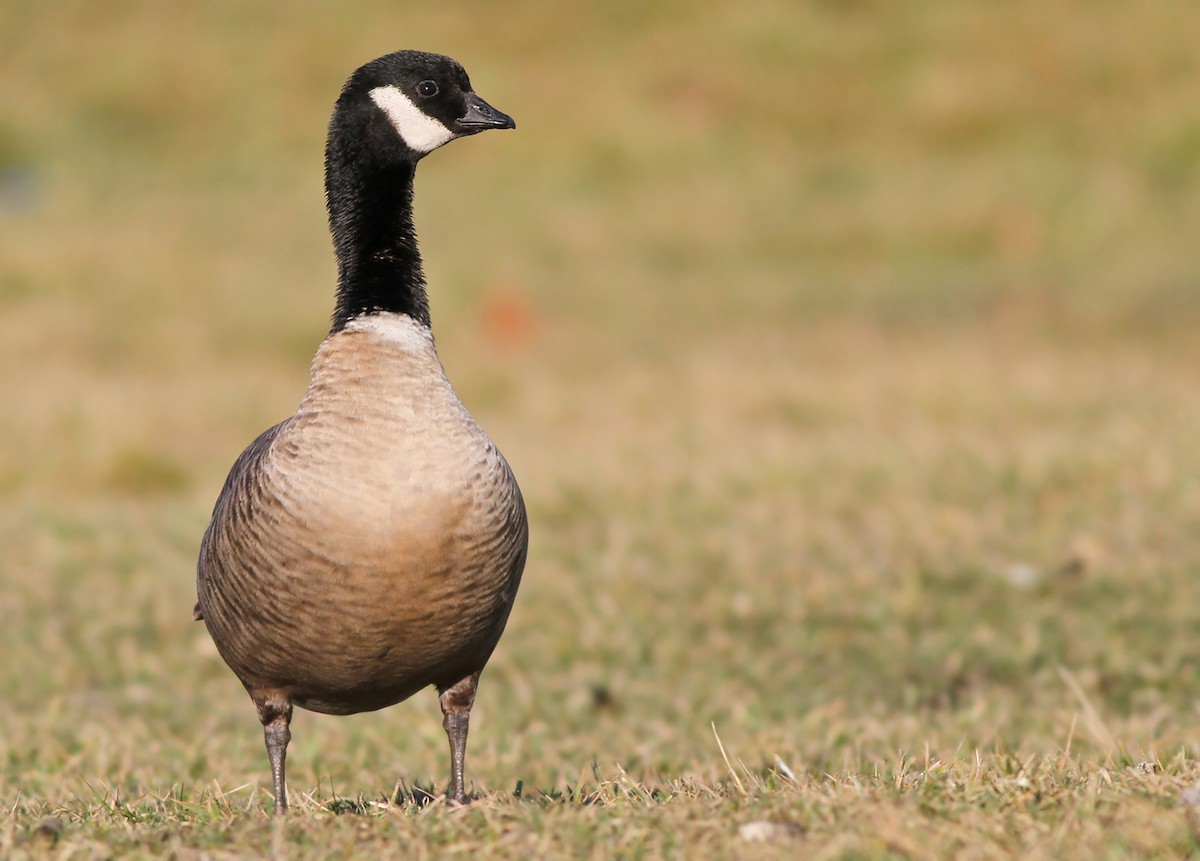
(370, 216)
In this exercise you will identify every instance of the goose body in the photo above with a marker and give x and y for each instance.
(370, 545)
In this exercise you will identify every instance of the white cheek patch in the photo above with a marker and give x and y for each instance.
(421, 132)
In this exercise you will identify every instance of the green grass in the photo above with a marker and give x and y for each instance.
(846, 354)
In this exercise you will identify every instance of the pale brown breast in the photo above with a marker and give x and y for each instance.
(373, 544)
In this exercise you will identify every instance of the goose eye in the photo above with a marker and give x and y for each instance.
(427, 89)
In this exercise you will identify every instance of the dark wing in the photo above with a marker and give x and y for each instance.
(239, 477)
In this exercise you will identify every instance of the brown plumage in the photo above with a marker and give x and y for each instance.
(370, 545)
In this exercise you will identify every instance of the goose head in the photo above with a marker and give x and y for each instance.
(407, 104)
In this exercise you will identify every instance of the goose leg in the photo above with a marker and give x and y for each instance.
(276, 717)
(456, 703)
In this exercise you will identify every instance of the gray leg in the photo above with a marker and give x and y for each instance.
(456, 703)
(276, 716)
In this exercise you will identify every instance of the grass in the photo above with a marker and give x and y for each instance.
(845, 353)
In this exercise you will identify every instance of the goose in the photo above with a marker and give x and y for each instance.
(370, 545)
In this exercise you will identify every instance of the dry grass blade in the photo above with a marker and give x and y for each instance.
(1095, 724)
(728, 765)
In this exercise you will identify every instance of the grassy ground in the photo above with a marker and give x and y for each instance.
(846, 354)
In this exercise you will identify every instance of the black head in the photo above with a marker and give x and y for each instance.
(425, 99)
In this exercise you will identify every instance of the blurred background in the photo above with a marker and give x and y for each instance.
(846, 352)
